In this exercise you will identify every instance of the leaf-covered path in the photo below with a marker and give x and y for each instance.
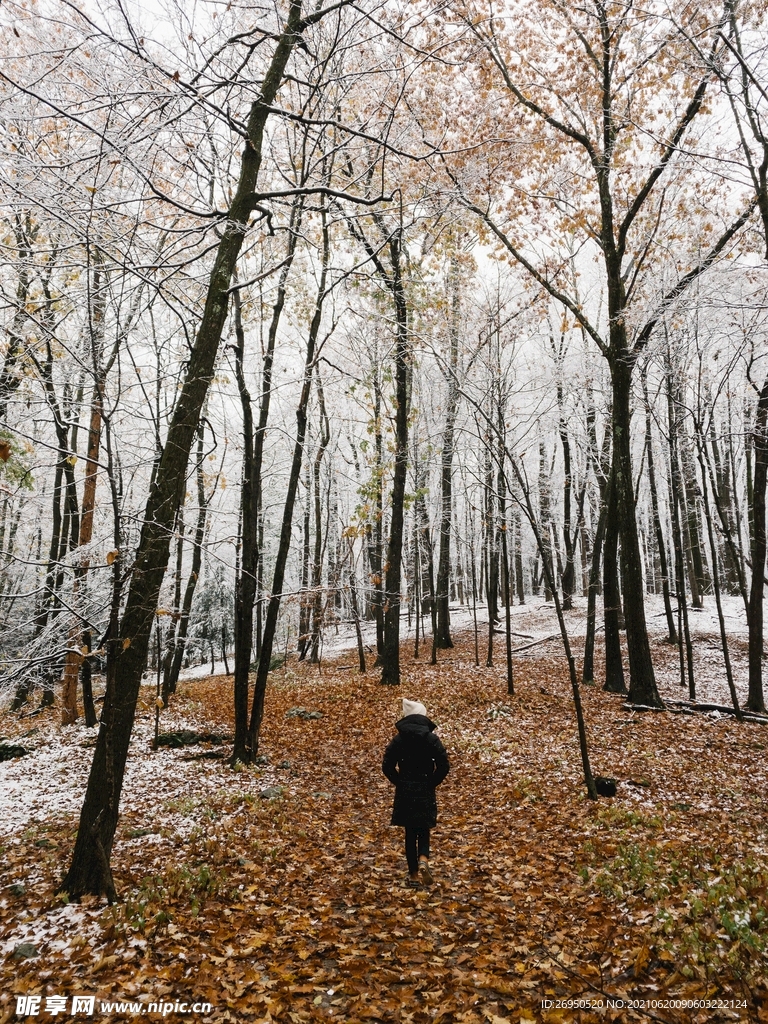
(277, 893)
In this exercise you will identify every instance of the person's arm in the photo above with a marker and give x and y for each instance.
(440, 757)
(389, 762)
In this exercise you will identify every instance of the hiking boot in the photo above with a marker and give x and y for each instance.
(412, 882)
(426, 874)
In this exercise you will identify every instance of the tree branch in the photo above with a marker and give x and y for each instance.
(697, 271)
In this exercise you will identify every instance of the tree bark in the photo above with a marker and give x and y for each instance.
(614, 666)
(390, 674)
(568, 578)
(518, 549)
(759, 439)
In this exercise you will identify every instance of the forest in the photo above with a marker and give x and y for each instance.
(373, 349)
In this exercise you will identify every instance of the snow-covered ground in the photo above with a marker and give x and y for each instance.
(51, 784)
(536, 621)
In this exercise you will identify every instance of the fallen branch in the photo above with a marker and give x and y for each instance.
(543, 640)
(685, 707)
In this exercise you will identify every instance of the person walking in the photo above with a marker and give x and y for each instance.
(415, 762)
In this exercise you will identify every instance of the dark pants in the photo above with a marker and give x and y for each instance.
(416, 845)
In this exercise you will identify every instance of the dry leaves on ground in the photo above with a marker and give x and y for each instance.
(276, 893)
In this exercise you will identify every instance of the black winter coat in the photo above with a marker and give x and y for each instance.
(416, 763)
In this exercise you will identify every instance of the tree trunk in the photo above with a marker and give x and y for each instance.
(642, 682)
(89, 871)
(588, 664)
(740, 531)
(545, 514)
(759, 439)
(725, 500)
(568, 578)
(614, 666)
(391, 661)
(247, 583)
(505, 563)
(491, 554)
(716, 580)
(170, 635)
(675, 485)
(697, 564)
(12, 373)
(518, 549)
(426, 556)
(86, 684)
(443, 638)
(317, 560)
(660, 546)
(376, 534)
(273, 605)
(548, 569)
(179, 635)
(731, 532)
(473, 569)
(77, 644)
(306, 558)
(355, 607)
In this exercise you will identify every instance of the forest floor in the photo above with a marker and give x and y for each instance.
(277, 893)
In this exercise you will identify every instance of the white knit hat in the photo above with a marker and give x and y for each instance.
(413, 707)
